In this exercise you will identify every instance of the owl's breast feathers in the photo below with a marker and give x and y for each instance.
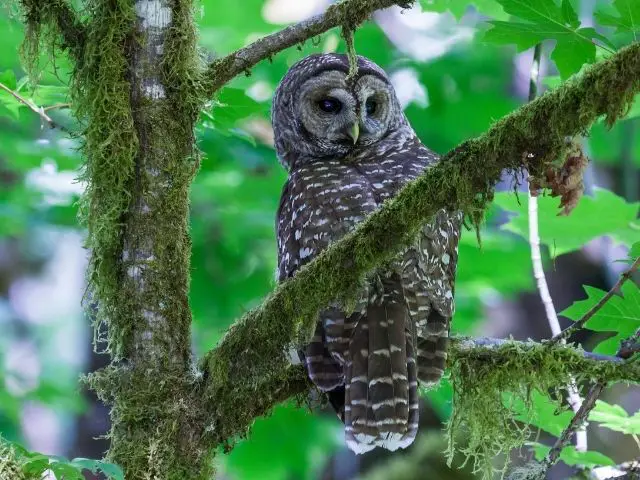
(372, 358)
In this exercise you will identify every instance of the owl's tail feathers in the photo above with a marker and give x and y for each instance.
(323, 370)
(381, 388)
(433, 340)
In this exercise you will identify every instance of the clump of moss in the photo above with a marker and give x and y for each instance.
(101, 96)
(488, 381)
(158, 430)
(10, 464)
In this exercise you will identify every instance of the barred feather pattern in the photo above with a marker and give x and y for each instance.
(369, 360)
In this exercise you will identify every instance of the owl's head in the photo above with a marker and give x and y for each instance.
(318, 113)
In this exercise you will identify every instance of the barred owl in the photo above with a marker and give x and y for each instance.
(348, 147)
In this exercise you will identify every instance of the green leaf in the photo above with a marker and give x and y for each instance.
(569, 14)
(614, 417)
(8, 79)
(458, 8)
(627, 20)
(539, 20)
(544, 413)
(111, 470)
(620, 315)
(46, 95)
(502, 264)
(604, 213)
(571, 456)
(9, 104)
(66, 471)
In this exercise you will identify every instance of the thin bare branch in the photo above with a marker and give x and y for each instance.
(567, 332)
(57, 106)
(628, 348)
(577, 421)
(40, 111)
(348, 12)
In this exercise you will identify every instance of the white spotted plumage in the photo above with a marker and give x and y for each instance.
(367, 360)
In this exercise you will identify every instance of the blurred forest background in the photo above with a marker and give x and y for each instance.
(454, 80)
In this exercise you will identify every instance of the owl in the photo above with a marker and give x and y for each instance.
(348, 147)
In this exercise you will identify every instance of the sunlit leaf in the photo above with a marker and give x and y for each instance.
(604, 213)
(619, 315)
(544, 413)
(614, 417)
(626, 19)
(459, 7)
(539, 20)
(571, 456)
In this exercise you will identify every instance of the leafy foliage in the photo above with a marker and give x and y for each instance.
(620, 315)
(571, 456)
(626, 18)
(539, 20)
(604, 213)
(614, 417)
(36, 465)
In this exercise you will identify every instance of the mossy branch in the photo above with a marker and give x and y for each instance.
(349, 13)
(60, 18)
(532, 137)
(515, 360)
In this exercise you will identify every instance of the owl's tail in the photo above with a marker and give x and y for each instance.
(433, 340)
(381, 388)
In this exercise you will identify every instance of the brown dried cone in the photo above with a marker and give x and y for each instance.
(564, 181)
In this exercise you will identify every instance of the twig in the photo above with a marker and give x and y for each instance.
(40, 111)
(567, 332)
(587, 405)
(576, 422)
(351, 12)
(57, 106)
(618, 471)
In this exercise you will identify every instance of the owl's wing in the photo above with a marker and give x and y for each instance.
(428, 273)
(314, 210)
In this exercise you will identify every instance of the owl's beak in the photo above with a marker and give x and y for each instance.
(354, 132)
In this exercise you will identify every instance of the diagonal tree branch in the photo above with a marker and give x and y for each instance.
(348, 12)
(252, 351)
(40, 111)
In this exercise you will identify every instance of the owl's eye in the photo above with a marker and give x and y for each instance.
(330, 105)
(371, 106)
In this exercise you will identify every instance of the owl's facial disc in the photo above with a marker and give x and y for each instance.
(340, 116)
(374, 96)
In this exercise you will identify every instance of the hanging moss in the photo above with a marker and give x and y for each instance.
(482, 376)
(53, 25)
